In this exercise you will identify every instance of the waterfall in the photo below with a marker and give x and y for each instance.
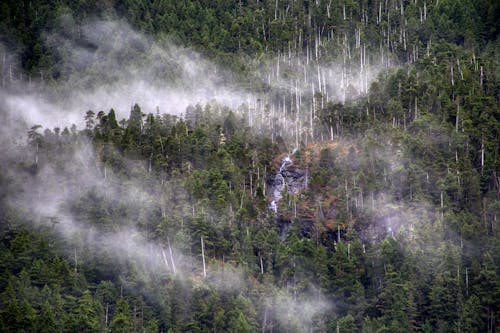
(279, 183)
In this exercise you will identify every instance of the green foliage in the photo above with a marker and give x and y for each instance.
(396, 225)
(121, 321)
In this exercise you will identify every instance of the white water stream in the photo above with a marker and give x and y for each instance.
(279, 183)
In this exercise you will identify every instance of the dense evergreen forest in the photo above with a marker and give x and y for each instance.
(250, 166)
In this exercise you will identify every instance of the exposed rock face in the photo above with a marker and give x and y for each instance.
(294, 179)
(288, 178)
(283, 226)
(331, 211)
(388, 220)
(305, 227)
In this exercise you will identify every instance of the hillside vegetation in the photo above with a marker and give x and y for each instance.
(339, 173)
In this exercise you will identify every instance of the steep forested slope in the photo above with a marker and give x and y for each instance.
(344, 179)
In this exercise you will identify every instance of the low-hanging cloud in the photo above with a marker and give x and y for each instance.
(48, 199)
(106, 64)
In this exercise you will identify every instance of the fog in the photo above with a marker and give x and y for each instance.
(106, 64)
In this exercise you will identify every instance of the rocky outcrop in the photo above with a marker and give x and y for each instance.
(294, 179)
(283, 225)
(289, 178)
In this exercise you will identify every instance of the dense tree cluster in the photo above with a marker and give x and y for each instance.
(398, 31)
(393, 225)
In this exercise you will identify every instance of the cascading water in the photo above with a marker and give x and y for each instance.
(279, 183)
(288, 178)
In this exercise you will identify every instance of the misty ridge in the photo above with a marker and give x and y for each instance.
(153, 167)
(113, 67)
(106, 65)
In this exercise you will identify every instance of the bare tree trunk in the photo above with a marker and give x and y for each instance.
(264, 321)
(203, 258)
(171, 256)
(466, 281)
(3, 67)
(451, 75)
(442, 204)
(482, 155)
(165, 258)
(76, 263)
(36, 155)
(107, 314)
(481, 78)
(416, 108)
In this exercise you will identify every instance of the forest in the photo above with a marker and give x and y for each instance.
(250, 166)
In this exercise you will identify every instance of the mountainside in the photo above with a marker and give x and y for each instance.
(250, 166)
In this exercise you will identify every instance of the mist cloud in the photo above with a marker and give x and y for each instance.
(106, 64)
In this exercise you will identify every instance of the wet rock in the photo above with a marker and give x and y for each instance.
(331, 212)
(290, 179)
(293, 173)
(306, 228)
(283, 226)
